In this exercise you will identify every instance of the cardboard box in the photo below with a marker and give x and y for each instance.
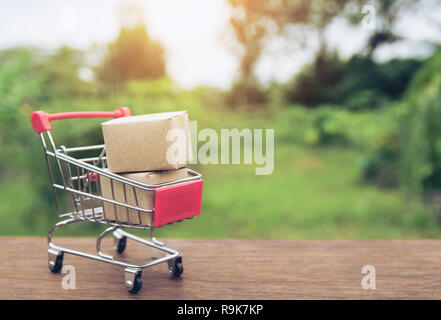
(146, 199)
(159, 141)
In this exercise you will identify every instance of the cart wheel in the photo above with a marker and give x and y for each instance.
(175, 267)
(133, 280)
(137, 285)
(55, 261)
(121, 245)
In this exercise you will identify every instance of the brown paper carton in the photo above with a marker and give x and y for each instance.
(159, 141)
(145, 198)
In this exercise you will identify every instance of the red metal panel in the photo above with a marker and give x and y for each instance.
(177, 202)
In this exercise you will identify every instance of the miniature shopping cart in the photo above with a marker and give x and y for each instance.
(75, 175)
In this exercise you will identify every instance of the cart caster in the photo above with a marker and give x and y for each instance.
(119, 242)
(55, 261)
(175, 267)
(133, 280)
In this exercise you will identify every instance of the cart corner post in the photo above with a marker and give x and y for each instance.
(40, 121)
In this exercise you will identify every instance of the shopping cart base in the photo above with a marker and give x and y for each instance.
(133, 273)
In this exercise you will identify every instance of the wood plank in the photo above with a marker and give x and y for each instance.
(232, 269)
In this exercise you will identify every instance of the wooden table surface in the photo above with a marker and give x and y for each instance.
(231, 269)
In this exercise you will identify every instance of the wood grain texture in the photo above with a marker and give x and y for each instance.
(232, 269)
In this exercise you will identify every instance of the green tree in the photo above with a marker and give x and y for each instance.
(410, 150)
(60, 71)
(255, 21)
(132, 56)
(358, 83)
(420, 130)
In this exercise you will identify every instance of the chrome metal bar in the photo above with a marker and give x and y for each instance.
(79, 189)
(90, 192)
(125, 200)
(137, 205)
(100, 193)
(149, 243)
(85, 148)
(55, 155)
(113, 198)
(122, 179)
(100, 219)
(69, 182)
(98, 243)
(51, 175)
(91, 159)
(101, 198)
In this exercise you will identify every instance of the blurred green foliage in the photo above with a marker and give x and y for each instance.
(358, 83)
(133, 55)
(410, 149)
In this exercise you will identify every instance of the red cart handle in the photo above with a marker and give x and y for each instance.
(41, 121)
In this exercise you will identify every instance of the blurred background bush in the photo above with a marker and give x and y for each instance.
(358, 140)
